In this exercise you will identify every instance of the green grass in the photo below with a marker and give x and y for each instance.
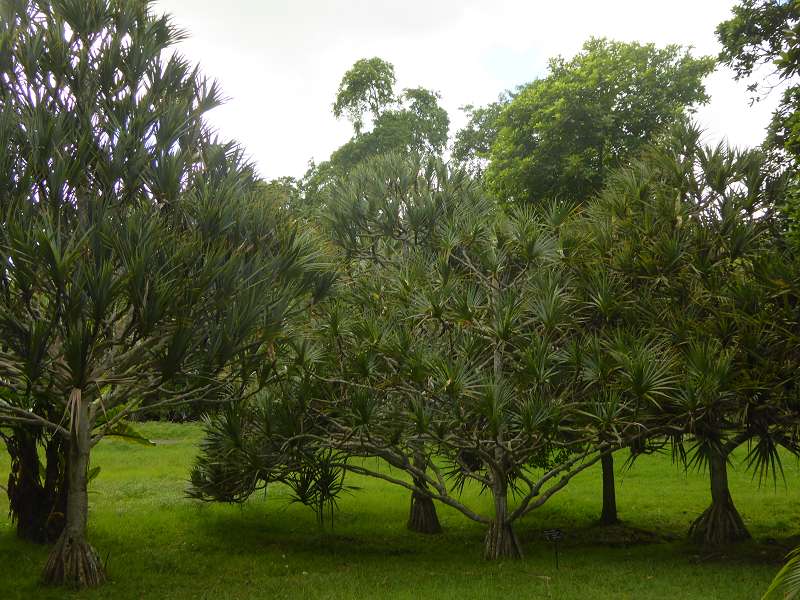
(161, 545)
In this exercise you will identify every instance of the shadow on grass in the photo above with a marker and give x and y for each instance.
(259, 530)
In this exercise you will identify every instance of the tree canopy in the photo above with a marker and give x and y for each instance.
(141, 267)
(560, 135)
(410, 121)
(366, 88)
(584, 279)
(455, 351)
(692, 230)
(473, 142)
(761, 33)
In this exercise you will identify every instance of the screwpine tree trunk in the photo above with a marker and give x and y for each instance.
(36, 507)
(422, 517)
(609, 514)
(72, 561)
(721, 523)
(56, 485)
(501, 541)
(26, 498)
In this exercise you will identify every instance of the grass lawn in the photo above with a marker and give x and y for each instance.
(160, 545)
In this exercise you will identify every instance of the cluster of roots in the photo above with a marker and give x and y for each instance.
(501, 542)
(719, 525)
(73, 563)
(423, 518)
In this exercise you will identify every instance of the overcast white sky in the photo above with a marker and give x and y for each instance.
(280, 61)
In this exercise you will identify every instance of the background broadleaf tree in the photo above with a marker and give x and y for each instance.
(366, 89)
(472, 144)
(140, 266)
(761, 34)
(406, 121)
(558, 136)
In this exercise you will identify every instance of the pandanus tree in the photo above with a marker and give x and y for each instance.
(381, 213)
(458, 360)
(626, 352)
(469, 359)
(407, 195)
(390, 211)
(139, 265)
(691, 229)
(380, 216)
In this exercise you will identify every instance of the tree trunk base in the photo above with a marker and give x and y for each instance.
(501, 542)
(74, 563)
(422, 517)
(36, 507)
(608, 520)
(29, 512)
(608, 515)
(719, 525)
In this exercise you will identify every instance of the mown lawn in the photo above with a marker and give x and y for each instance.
(159, 544)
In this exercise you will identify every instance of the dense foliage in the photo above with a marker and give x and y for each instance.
(560, 135)
(761, 35)
(409, 121)
(140, 266)
(692, 229)
(584, 279)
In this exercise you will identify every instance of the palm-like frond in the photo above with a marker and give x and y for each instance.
(764, 459)
(786, 585)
